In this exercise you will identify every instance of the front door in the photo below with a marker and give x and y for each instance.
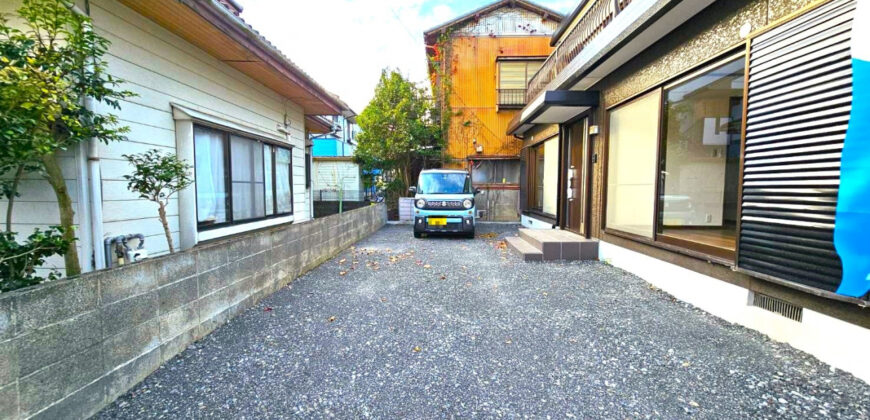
(576, 177)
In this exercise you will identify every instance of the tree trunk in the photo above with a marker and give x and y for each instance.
(162, 211)
(18, 174)
(54, 176)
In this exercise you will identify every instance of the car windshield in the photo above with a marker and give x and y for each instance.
(444, 183)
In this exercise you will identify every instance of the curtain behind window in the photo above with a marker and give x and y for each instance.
(211, 189)
(248, 180)
(267, 163)
(284, 192)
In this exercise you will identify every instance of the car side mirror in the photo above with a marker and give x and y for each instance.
(477, 191)
(412, 190)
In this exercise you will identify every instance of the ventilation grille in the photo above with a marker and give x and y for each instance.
(777, 306)
(799, 100)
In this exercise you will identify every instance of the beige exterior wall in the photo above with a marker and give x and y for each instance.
(162, 69)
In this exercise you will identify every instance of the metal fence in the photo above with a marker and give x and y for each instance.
(511, 97)
(329, 202)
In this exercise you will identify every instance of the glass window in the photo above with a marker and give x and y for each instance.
(246, 160)
(631, 173)
(443, 183)
(210, 173)
(516, 74)
(701, 157)
(496, 172)
(268, 174)
(308, 170)
(258, 184)
(545, 176)
(284, 180)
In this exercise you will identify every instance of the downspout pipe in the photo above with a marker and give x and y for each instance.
(95, 185)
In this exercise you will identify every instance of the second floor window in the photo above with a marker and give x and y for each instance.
(513, 78)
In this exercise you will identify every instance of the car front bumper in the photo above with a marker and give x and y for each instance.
(458, 221)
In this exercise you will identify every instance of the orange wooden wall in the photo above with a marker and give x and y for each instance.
(474, 82)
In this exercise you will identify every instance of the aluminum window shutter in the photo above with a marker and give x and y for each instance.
(800, 95)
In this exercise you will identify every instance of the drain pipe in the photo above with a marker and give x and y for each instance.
(95, 186)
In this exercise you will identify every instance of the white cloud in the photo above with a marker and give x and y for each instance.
(344, 44)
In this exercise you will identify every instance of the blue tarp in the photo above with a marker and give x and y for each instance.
(852, 225)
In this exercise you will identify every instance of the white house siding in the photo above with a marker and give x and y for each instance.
(163, 69)
(328, 174)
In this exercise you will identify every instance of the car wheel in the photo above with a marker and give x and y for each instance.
(418, 235)
(470, 235)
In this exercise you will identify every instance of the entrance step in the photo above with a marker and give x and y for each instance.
(526, 250)
(560, 244)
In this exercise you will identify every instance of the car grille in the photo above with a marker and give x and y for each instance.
(444, 205)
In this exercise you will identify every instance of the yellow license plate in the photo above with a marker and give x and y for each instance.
(437, 221)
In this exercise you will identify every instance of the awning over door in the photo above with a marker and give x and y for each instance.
(553, 107)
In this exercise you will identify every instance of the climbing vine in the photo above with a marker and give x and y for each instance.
(441, 61)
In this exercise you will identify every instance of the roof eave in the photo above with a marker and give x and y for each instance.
(429, 34)
(223, 19)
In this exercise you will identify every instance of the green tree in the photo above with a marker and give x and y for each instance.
(398, 133)
(48, 69)
(157, 177)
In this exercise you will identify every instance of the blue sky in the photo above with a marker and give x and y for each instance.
(344, 44)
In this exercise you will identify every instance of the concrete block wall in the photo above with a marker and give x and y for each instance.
(70, 347)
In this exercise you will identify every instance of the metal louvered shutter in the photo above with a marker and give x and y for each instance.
(799, 99)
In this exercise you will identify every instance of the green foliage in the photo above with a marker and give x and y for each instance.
(48, 69)
(19, 261)
(157, 177)
(398, 134)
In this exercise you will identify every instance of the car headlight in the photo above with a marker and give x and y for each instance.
(468, 203)
(421, 203)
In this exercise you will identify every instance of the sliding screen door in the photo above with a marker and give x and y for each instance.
(631, 173)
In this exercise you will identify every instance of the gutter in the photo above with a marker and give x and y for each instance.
(92, 188)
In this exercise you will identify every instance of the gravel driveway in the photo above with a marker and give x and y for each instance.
(438, 327)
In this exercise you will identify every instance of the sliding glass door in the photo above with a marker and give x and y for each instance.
(700, 159)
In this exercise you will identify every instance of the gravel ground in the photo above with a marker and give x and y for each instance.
(442, 327)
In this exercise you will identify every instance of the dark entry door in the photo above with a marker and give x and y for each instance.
(576, 177)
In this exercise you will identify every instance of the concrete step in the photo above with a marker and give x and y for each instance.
(561, 245)
(526, 250)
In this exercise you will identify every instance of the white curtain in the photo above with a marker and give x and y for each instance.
(283, 160)
(211, 190)
(267, 175)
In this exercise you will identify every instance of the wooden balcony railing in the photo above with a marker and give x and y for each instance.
(511, 98)
(600, 14)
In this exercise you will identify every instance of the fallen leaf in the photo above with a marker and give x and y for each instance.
(417, 349)
(341, 273)
(427, 266)
(268, 309)
(342, 261)
(330, 319)
(686, 364)
(443, 277)
(383, 299)
(694, 404)
(508, 341)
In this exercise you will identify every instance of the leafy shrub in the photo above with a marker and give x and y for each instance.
(18, 261)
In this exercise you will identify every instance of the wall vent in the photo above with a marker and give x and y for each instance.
(778, 306)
